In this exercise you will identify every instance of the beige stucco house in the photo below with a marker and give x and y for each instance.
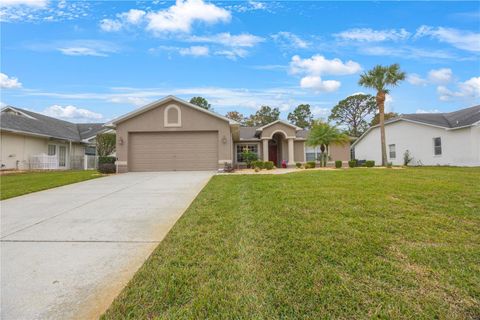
(33, 141)
(172, 134)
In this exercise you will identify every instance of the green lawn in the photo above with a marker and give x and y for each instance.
(16, 184)
(345, 244)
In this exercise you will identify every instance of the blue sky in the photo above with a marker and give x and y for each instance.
(95, 60)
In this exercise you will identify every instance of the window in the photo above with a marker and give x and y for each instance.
(437, 146)
(90, 150)
(250, 147)
(310, 156)
(52, 149)
(172, 116)
(392, 152)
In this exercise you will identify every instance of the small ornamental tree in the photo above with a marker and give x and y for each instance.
(248, 157)
(106, 144)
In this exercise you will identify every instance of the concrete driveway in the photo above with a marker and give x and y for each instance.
(67, 252)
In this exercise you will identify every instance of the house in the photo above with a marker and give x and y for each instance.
(172, 134)
(30, 140)
(431, 138)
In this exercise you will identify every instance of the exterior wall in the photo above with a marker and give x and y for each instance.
(337, 151)
(16, 149)
(460, 147)
(191, 120)
(269, 131)
(299, 151)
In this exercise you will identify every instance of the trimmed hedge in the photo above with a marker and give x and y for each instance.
(269, 165)
(107, 164)
(298, 165)
(310, 165)
(370, 163)
(352, 163)
(338, 164)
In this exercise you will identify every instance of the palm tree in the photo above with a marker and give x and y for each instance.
(379, 78)
(323, 134)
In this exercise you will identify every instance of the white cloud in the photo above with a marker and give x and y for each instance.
(416, 80)
(427, 111)
(109, 25)
(229, 40)
(406, 52)
(29, 3)
(443, 75)
(370, 35)
(257, 5)
(181, 16)
(290, 40)
(196, 51)
(133, 16)
(320, 112)
(72, 113)
(388, 103)
(233, 53)
(469, 89)
(316, 83)
(461, 39)
(7, 82)
(319, 65)
(86, 48)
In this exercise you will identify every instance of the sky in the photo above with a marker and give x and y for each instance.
(92, 61)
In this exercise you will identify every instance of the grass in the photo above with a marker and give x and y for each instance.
(344, 244)
(17, 184)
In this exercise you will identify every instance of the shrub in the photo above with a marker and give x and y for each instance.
(106, 143)
(338, 164)
(407, 158)
(107, 159)
(369, 163)
(298, 165)
(257, 169)
(258, 164)
(310, 165)
(268, 165)
(248, 157)
(352, 163)
(389, 164)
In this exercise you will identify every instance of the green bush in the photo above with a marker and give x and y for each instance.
(268, 165)
(352, 163)
(249, 157)
(370, 163)
(389, 164)
(338, 164)
(107, 159)
(298, 164)
(310, 165)
(258, 164)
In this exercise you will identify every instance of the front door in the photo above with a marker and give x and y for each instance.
(272, 153)
(62, 156)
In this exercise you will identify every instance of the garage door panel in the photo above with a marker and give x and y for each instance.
(164, 151)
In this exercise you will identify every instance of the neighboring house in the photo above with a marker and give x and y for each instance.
(172, 134)
(31, 140)
(431, 138)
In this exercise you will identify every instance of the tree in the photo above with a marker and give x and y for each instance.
(387, 116)
(352, 112)
(263, 116)
(236, 116)
(105, 144)
(301, 117)
(379, 78)
(201, 102)
(323, 134)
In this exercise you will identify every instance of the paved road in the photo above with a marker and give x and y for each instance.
(67, 252)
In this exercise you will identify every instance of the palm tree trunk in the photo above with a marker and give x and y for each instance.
(381, 111)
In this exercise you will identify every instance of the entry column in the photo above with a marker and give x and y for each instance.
(291, 162)
(265, 149)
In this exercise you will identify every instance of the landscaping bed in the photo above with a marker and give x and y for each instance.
(336, 244)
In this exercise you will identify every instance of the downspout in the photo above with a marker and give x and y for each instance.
(70, 154)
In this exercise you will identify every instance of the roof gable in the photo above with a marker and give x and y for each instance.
(162, 101)
(279, 121)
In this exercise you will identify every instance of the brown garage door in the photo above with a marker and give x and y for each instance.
(166, 151)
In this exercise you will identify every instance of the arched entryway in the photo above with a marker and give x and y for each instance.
(275, 148)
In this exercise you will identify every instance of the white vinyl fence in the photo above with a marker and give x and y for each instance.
(43, 162)
(90, 162)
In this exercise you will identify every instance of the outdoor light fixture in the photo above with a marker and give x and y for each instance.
(121, 141)
(224, 139)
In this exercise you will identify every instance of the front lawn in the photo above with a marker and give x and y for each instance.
(17, 184)
(345, 244)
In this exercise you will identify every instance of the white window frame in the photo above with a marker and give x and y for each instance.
(246, 144)
(54, 149)
(394, 151)
(435, 147)
(168, 124)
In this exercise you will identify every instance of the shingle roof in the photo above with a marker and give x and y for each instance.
(48, 126)
(456, 119)
(247, 133)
